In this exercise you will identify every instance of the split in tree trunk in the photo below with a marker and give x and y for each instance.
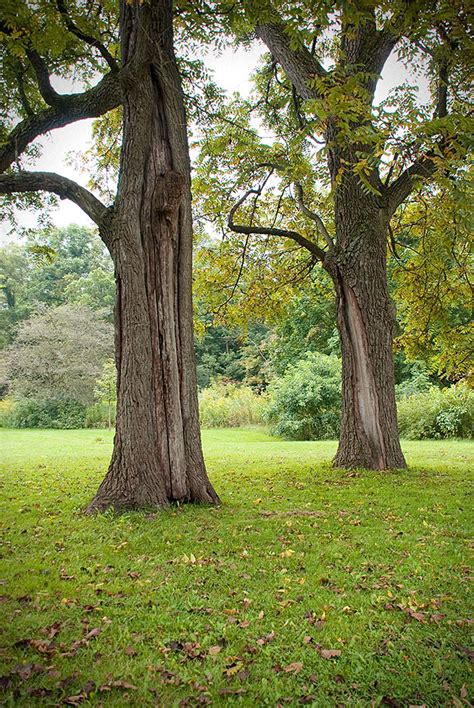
(366, 319)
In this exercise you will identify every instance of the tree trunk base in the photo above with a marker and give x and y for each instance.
(359, 458)
(109, 497)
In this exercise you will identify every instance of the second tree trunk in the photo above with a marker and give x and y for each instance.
(366, 321)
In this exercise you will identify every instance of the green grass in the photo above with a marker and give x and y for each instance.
(298, 559)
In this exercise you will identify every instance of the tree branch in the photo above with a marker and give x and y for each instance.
(107, 94)
(313, 216)
(21, 90)
(92, 41)
(49, 95)
(402, 187)
(441, 110)
(62, 186)
(260, 230)
(299, 65)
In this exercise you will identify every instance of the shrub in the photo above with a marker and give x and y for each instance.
(306, 401)
(417, 382)
(437, 413)
(97, 416)
(230, 405)
(49, 413)
(7, 408)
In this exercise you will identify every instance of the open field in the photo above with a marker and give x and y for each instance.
(307, 586)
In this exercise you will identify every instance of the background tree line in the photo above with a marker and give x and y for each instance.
(281, 369)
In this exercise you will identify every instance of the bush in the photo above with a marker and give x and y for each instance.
(7, 407)
(306, 401)
(97, 416)
(418, 381)
(437, 413)
(50, 413)
(230, 405)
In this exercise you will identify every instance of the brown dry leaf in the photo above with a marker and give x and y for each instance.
(307, 639)
(24, 671)
(42, 646)
(192, 649)
(130, 651)
(267, 638)
(418, 616)
(123, 684)
(244, 624)
(294, 668)
(231, 691)
(329, 653)
(92, 633)
(79, 697)
(52, 630)
(214, 650)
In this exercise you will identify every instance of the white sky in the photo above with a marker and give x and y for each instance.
(232, 70)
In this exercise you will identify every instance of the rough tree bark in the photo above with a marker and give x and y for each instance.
(157, 457)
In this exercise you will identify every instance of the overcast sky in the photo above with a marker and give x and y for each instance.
(232, 70)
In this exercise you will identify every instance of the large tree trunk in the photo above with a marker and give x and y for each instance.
(157, 457)
(366, 319)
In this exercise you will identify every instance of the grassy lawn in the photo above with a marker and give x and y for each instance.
(307, 586)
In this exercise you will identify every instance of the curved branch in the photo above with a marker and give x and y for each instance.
(62, 186)
(22, 93)
(299, 65)
(260, 230)
(402, 187)
(87, 38)
(313, 216)
(94, 102)
(43, 80)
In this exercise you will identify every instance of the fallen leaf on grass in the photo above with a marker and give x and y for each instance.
(92, 633)
(329, 653)
(214, 650)
(168, 677)
(130, 651)
(418, 616)
(42, 646)
(294, 668)
(267, 638)
(231, 691)
(79, 697)
(52, 630)
(39, 692)
(117, 684)
(437, 617)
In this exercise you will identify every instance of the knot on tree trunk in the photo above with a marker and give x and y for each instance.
(168, 193)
